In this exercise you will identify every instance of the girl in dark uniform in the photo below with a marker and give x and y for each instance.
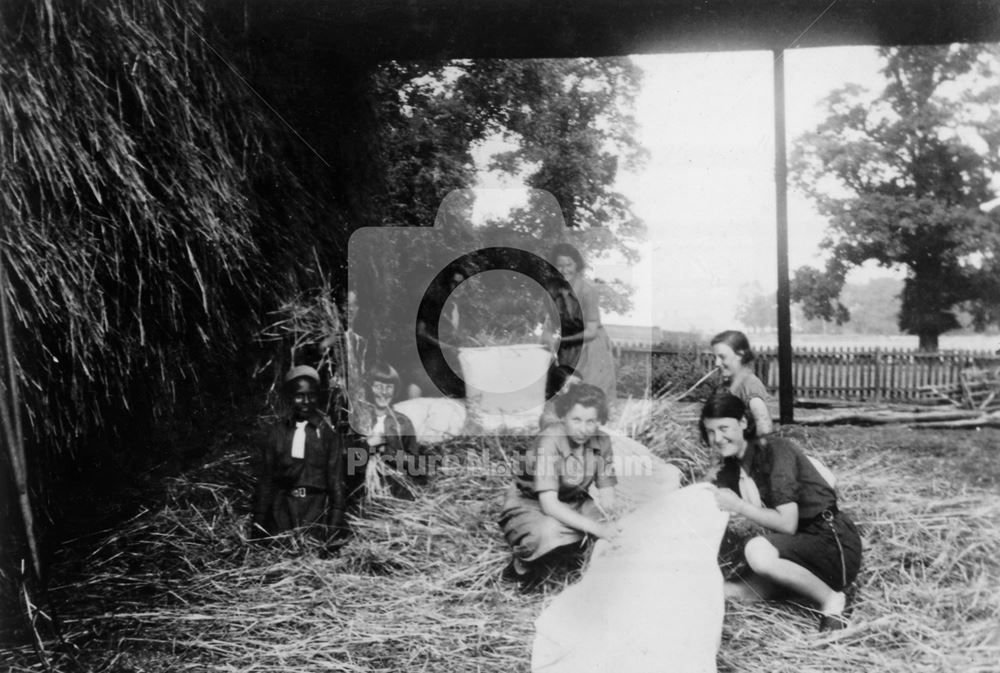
(813, 549)
(299, 466)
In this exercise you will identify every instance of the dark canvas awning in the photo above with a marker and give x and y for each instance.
(367, 31)
(384, 29)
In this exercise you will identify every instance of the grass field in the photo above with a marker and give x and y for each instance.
(177, 587)
(947, 342)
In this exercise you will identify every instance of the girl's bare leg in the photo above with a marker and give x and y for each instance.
(752, 588)
(763, 558)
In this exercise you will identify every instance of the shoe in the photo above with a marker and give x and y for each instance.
(528, 582)
(510, 574)
(832, 623)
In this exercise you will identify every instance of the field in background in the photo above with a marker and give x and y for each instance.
(970, 342)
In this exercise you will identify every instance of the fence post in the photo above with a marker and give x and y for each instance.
(877, 376)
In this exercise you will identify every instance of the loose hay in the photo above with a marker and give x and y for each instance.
(179, 587)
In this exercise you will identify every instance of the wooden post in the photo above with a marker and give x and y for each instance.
(10, 420)
(786, 389)
(877, 376)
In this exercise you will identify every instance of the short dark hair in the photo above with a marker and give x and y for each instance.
(737, 341)
(586, 395)
(723, 404)
(567, 250)
(384, 372)
(556, 379)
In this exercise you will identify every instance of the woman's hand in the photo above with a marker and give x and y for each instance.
(728, 501)
(607, 531)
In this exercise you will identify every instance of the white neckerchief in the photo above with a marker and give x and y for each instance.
(379, 428)
(299, 440)
(748, 489)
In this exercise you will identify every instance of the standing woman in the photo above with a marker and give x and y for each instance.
(549, 505)
(585, 345)
(814, 549)
(439, 332)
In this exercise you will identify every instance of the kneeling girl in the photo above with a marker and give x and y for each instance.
(549, 506)
(814, 549)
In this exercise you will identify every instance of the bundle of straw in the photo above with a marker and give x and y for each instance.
(137, 250)
(664, 426)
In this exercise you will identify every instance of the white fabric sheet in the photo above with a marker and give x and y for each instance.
(652, 601)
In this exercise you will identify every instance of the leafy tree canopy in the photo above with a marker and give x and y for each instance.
(901, 177)
(567, 126)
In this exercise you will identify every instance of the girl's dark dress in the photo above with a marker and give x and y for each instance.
(305, 492)
(826, 541)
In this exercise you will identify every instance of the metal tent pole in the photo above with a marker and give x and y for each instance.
(786, 390)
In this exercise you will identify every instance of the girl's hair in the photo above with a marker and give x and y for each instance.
(567, 250)
(737, 341)
(384, 372)
(586, 395)
(557, 379)
(723, 404)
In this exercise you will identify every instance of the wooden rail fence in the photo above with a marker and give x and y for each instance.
(846, 373)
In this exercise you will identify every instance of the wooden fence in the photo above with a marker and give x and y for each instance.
(857, 374)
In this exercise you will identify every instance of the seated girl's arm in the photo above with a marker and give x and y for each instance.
(606, 499)
(761, 416)
(782, 519)
(560, 511)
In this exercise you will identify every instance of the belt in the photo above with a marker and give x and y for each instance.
(828, 514)
(303, 491)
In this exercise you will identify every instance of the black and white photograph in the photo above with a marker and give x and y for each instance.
(632, 336)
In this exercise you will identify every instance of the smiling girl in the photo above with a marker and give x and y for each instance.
(813, 549)
(299, 466)
(584, 346)
(549, 506)
(734, 359)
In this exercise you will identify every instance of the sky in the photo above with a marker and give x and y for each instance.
(707, 192)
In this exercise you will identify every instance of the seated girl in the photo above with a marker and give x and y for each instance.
(734, 359)
(387, 433)
(814, 549)
(549, 506)
(299, 466)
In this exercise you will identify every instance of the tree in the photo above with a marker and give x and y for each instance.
(570, 122)
(874, 306)
(567, 128)
(901, 178)
(757, 309)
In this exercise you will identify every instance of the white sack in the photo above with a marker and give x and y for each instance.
(652, 601)
(435, 419)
